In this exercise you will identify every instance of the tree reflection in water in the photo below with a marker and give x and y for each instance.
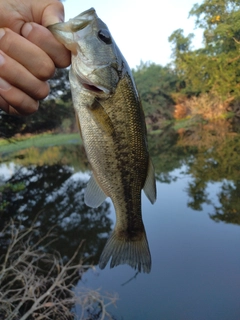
(217, 160)
(41, 198)
(49, 193)
(229, 211)
(52, 194)
(211, 154)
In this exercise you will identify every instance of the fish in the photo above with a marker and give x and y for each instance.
(113, 130)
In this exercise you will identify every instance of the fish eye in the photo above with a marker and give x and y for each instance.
(105, 36)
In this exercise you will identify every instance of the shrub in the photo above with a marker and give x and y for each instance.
(38, 285)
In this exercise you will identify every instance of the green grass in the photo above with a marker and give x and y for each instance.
(188, 122)
(155, 132)
(183, 123)
(43, 140)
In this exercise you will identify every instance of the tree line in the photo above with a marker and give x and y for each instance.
(203, 81)
(215, 67)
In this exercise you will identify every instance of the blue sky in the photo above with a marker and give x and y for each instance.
(141, 28)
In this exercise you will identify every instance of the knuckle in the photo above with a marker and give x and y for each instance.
(64, 60)
(32, 108)
(26, 108)
(4, 105)
(42, 91)
(29, 108)
(16, 101)
(46, 71)
(7, 40)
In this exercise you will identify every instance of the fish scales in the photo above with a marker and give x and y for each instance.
(123, 150)
(113, 130)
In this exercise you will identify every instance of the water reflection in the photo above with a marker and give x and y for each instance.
(43, 184)
(55, 195)
(209, 153)
(229, 209)
(217, 160)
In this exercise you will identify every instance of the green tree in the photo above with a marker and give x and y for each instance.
(155, 85)
(216, 66)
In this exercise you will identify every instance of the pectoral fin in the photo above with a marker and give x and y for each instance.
(150, 183)
(94, 195)
(78, 123)
(101, 117)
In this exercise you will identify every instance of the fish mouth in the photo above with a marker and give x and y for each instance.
(92, 87)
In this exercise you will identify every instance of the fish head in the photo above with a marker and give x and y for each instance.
(97, 63)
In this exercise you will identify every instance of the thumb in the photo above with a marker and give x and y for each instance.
(53, 13)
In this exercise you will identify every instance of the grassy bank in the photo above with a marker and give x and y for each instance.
(42, 140)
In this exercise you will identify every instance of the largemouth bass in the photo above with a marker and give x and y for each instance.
(113, 131)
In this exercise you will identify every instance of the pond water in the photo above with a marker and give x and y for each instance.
(196, 263)
(193, 228)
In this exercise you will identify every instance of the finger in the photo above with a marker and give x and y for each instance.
(4, 105)
(33, 58)
(14, 101)
(53, 12)
(19, 77)
(43, 38)
(45, 12)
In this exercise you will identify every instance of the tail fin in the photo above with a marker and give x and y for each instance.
(134, 253)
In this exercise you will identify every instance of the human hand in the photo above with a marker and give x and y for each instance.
(29, 52)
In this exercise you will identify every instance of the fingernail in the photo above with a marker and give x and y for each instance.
(2, 59)
(2, 32)
(4, 85)
(26, 29)
(61, 17)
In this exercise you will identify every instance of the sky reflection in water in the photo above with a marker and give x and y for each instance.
(196, 263)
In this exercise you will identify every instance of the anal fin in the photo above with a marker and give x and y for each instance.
(150, 183)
